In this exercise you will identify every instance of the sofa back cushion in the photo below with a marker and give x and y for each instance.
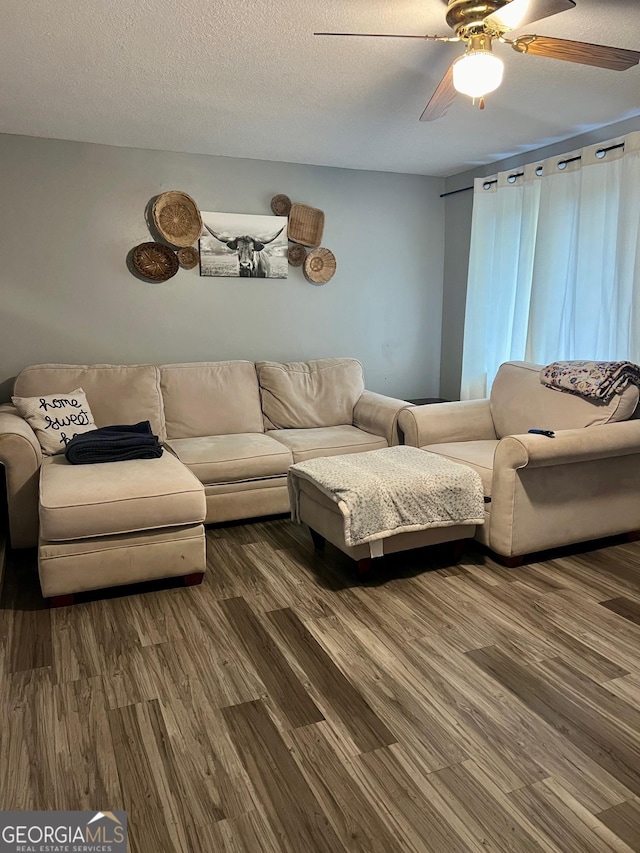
(307, 394)
(116, 393)
(211, 398)
(520, 402)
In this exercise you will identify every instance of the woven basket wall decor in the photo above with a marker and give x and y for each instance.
(296, 254)
(188, 257)
(177, 218)
(281, 204)
(154, 261)
(320, 266)
(306, 225)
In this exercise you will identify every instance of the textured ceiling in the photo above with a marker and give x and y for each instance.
(248, 79)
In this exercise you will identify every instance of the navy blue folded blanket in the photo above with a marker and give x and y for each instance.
(114, 444)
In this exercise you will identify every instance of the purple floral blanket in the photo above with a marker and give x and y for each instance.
(595, 380)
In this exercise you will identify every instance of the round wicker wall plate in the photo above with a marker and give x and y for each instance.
(188, 257)
(154, 261)
(319, 266)
(296, 254)
(177, 218)
(281, 204)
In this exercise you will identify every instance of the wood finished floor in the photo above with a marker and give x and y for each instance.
(281, 706)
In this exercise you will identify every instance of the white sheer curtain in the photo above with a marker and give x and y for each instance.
(554, 267)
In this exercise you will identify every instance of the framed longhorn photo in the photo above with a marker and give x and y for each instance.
(246, 246)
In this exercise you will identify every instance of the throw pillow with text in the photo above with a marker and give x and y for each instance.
(56, 418)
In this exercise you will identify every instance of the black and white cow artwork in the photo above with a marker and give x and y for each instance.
(253, 261)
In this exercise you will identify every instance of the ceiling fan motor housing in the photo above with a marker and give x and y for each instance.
(466, 17)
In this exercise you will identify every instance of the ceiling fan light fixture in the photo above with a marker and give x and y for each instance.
(478, 72)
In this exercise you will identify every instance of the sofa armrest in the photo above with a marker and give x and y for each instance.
(378, 415)
(21, 456)
(583, 484)
(568, 446)
(436, 423)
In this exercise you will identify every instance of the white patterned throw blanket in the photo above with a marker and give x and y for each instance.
(381, 493)
(594, 380)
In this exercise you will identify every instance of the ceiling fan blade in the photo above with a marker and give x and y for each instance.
(390, 36)
(441, 99)
(520, 13)
(614, 58)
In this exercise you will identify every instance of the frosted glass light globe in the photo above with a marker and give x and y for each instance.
(477, 73)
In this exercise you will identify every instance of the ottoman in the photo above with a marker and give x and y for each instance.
(118, 523)
(317, 500)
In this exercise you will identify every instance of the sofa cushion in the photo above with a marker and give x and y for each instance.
(117, 394)
(306, 394)
(232, 458)
(327, 441)
(80, 501)
(520, 402)
(56, 418)
(476, 454)
(211, 398)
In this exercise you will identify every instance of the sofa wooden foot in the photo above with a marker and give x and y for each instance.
(62, 600)
(633, 536)
(510, 562)
(193, 579)
(317, 539)
(364, 567)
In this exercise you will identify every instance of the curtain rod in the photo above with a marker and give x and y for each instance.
(562, 163)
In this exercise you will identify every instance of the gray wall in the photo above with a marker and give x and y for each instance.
(458, 211)
(71, 212)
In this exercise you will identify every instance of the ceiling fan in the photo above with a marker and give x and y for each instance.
(478, 23)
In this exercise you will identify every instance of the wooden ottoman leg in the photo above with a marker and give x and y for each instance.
(457, 550)
(318, 541)
(62, 600)
(193, 579)
(364, 567)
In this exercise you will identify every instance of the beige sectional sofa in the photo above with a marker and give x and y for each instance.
(231, 430)
(540, 492)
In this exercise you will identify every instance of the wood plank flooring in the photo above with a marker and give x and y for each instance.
(283, 707)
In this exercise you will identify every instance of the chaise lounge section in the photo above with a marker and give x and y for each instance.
(119, 523)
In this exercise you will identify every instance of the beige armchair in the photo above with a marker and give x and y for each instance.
(540, 492)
